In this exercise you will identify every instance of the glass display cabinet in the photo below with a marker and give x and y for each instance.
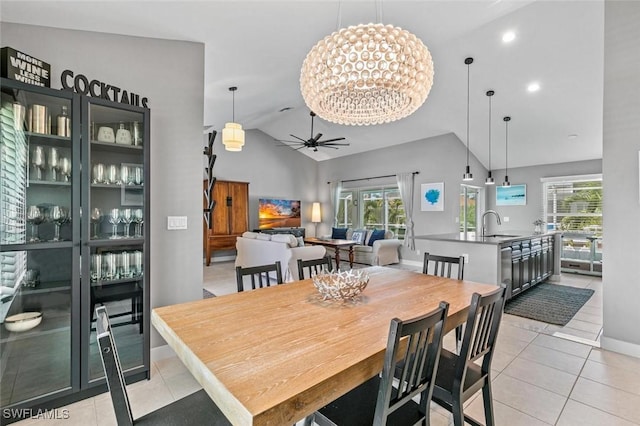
(74, 198)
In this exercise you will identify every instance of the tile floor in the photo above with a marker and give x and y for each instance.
(539, 378)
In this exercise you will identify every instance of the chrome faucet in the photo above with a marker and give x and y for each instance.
(485, 214)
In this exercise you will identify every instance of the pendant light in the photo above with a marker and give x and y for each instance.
(467, 176)
(489, 180)
(232, 134)
(506, 182)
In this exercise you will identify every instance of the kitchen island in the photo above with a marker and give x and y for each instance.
(518, 259)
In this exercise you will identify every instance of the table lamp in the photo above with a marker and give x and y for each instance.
(316, 217)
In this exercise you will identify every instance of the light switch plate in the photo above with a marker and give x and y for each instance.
(506, 218)
(176, 223)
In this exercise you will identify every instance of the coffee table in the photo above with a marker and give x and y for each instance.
(337, 245)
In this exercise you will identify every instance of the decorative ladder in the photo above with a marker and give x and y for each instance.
(211, 180)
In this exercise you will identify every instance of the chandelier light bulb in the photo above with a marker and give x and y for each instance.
(366, 74)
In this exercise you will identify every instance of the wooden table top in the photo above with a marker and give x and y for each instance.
(275, 355)
(331, 243)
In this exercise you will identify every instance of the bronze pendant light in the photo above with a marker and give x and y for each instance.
(490, 180)
(506, 182)
(467, 176)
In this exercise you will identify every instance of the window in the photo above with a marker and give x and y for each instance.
(470, 206)
(574, 204)
(376, 208)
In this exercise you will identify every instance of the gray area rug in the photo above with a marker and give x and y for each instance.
(206, 294)
(550, 303)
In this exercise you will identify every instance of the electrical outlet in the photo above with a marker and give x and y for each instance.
(176, 223)
(506, 219)
(466, 257)
(418, 252)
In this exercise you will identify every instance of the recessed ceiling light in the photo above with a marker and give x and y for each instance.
(572, 136)
(508, 37)
(533, 87)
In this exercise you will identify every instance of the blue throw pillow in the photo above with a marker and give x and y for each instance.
(339, 233)
(376, 234)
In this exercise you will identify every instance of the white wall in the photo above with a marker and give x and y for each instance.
(438, 159)
(621, 275)
(171, 75)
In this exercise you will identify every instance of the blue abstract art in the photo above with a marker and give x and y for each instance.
(432, 198)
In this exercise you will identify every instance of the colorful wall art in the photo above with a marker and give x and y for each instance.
(432, 197)
(514, 195)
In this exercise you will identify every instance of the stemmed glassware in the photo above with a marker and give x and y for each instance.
(58, 216)
(98, 173)
(113, 175)
(126, 218)
(65, 169)
(38, 161)
(114, 219)
(137, 220)
(54, 164)
(35, 218)
(96, 218)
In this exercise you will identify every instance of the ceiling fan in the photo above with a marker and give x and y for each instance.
(313, 143)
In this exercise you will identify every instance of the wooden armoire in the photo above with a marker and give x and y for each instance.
(229, 218)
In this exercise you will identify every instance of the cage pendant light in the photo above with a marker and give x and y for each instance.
(506, 182)
(489, 180)
(467, 176)
(232, 134)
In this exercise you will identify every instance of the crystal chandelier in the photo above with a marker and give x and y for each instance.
(366, 74)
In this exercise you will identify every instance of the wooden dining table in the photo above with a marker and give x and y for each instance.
(274, 355)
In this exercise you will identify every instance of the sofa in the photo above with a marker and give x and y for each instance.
(380, 252)
(255, 249)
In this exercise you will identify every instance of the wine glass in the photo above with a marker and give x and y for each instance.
(38, 161)
(114, 219)
(96, 218)
(125, 175)
(98, 173)
(113, 175)
(35, 218)
(126, 218)
(54, 163)
(58, 216)
(138, 175)
(137, 220)
(65, 169)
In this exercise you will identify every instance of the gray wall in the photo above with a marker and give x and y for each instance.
(272, 171)
(171, 75)
(522, 217)
(438, 159)
(621, 275)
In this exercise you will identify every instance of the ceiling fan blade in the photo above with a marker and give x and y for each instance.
(334, 144)
(283, 141)
(332, 140)
(318, 136)
(328, 146)
(294, 136)
(303, 146)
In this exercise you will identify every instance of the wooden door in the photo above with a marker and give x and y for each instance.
(220, 216)
(239, 209)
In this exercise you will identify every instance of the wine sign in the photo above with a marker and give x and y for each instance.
(19, 66)
(79, 83)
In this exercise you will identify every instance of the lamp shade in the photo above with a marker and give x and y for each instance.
(233, 137)
(316, 217)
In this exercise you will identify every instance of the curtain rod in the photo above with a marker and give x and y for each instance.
(374, 177)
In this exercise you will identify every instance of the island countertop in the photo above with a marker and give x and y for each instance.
(496, 238)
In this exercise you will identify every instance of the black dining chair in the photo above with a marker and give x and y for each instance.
(261, 276)
(443, 266)
(377, 401)
(314, 266)
(459, 377)
(194, 409)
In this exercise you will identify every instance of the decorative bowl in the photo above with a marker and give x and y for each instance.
(23, 322)
(341, 285)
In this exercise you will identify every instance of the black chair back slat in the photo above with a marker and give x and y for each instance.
(260, 275)
(442, 266)
(314, 266)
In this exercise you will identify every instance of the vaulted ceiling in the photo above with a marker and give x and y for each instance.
(260, 46)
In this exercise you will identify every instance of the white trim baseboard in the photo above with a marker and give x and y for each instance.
(620, 346)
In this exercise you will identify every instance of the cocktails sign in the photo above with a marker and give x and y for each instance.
(79, 83)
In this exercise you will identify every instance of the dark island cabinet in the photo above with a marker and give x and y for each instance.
(531, 263)
(74, 198)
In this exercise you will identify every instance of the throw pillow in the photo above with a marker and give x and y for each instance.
(339, 233)
(377, 234)
(358, 236)
(300, 241)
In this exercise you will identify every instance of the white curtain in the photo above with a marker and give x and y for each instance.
(335, 188)
(405, 185)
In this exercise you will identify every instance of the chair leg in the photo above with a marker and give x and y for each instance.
(456, 410)
(459, 333)
(488, 403)
(308, 421)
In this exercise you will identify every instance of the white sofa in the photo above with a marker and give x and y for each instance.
(382, 252)
(255, 249)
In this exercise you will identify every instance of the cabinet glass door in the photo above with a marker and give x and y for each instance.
(39, 231)
(115, 232)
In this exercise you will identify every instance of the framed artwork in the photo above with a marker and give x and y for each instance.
(514, 195)
(432, 197)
